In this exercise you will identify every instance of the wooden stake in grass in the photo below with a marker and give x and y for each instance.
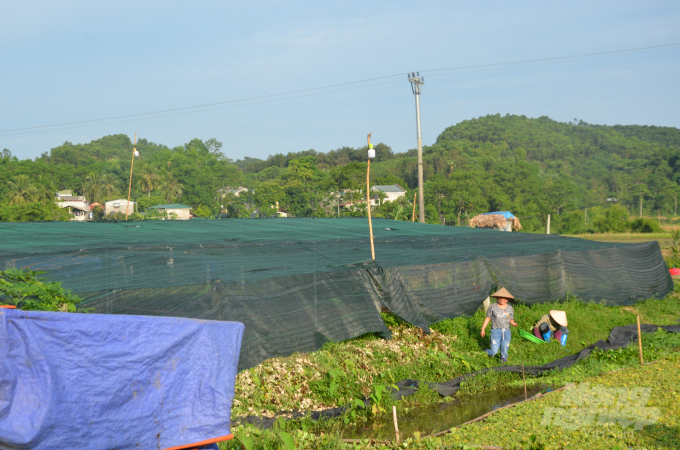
(640, 340)
(525, 382)
(396, 425)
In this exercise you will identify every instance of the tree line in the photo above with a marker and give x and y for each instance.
(587, 177)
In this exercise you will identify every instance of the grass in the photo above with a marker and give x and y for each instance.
(531, 425)
(515, 427)
(341, 372)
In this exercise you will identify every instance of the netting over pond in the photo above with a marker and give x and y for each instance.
(297, 283)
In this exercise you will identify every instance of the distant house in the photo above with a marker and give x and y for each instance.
(499, 220)
(77, 205)
(93, 205)
(230, 190)
(120, 205)
(182, 212)
(391, 191)
(281, 211)
(65, 193)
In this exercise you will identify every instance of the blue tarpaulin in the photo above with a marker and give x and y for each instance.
(506, 214)
(91, 381)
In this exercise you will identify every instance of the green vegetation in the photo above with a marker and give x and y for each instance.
(33, 212)
(344, 372)
(341, 373)
(532, 167)
(516, 426)
(26, 290)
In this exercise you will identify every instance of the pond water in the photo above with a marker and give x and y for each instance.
(442, 416)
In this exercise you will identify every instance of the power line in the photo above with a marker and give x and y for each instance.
(457, 70)
(552, 62)
(199, 111)
(202, 106)
(556, 58)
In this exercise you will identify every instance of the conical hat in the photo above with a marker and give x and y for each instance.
(559, 316)
(502, 292)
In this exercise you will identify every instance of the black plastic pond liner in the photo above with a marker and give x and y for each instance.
(619, 337)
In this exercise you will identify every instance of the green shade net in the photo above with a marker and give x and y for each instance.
(297, 283)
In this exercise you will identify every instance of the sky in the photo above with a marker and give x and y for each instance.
(75, 61)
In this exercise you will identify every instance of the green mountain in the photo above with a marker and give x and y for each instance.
(532, 167)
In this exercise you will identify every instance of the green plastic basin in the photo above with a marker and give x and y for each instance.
(530, 337)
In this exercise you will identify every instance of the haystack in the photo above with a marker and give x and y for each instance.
(495, 221)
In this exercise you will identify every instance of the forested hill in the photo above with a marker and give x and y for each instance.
(532, 167)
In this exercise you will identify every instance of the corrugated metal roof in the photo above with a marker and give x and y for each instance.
(170, 206)
(389, 188)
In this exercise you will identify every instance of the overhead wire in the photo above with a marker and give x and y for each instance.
(200, 111)
(324, 89)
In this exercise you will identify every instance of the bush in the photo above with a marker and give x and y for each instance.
(570, 223)
(34, 212)
(144, 203)
(642, 225)
(98, 212)
(203, 212)
(23, 288)
(613, 220)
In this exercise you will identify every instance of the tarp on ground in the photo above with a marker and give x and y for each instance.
(297, 283)
(91, 381)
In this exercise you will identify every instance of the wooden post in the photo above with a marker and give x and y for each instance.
(127, 207)
(525, 382)
(641, 206)
(548, 227)
(368, 198)
(413, 217)
(396, 425)
(586, 218)
(658, 214)
(640, 340)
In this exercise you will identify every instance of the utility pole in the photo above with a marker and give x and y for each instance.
(416, 87)
(547, 230)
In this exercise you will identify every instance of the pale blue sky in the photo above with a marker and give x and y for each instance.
(77, 60)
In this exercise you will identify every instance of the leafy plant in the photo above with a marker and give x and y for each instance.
(335, 375)
(25, 289)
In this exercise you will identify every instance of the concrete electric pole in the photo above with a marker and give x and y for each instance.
(417, 86)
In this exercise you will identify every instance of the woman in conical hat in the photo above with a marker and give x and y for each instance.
(554, 323)
(501, 315)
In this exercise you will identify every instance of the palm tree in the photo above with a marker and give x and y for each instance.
(109, 185)
(92, 188)
(45, 190)
(172, 188)
(21, 191)
(148, 181)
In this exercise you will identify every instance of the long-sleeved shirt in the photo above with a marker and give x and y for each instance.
(554, 326)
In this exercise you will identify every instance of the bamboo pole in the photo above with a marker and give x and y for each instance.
(127, 207)
(368, 198)
(413, 217)
(525, 382)
(396, 425)
(640, 340)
